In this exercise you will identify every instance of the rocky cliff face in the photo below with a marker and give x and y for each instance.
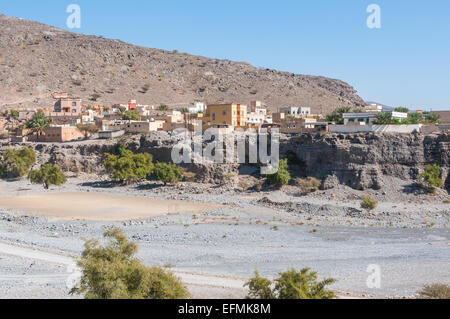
(358, 160)
(37, 60)
(362, 160)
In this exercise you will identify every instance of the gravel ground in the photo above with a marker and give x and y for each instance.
(270, 232)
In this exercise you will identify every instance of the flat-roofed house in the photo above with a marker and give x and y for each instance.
(67, 105)
(58, 134)
(233, 114)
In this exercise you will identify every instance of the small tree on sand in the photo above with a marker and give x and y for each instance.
(168, 173)
(282, 176)
(112, 272)
(16, 163)
(290, 285)
(48, 174)
(431, 178)
(128, 167)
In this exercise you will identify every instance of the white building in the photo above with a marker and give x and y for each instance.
(199, 107)
(257, 114)
(296, 111)
(370, 117)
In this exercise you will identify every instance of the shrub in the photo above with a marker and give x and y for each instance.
(128, 167)
(17, 163)
(145, 88)
(168, 173)
(112, 272)
(4, 135)
(436, 291)
(259, 288)
(368, 203)
(94, 97)
(290, 285)
(121, 145)
(307, 185)
(282, 176)
(47, 175)
(431, 177)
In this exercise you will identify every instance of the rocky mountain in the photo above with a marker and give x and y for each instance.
(37, 60)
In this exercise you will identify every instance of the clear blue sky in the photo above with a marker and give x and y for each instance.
(406, 62)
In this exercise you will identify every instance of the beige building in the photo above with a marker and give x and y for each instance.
(55, 134)
(67, 105)
(297, 125)
(133, 126)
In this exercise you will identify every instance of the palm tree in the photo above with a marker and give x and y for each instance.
(38, 123)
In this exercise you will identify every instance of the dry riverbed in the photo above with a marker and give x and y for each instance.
(207, 232)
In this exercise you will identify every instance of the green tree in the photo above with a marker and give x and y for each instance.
(121, 110)
(431, 177)
(132, 115)
(414, 118)
(112, 272)
(38, 123)
(87, 128)
(401, 109)
(48, 174)
(168, 173)
(290, 285)
(14, 114)
(17, 163)
(282, 176)
(384, 118)
(337, 115)
(163, 107)
(432, 118)
(128, 167)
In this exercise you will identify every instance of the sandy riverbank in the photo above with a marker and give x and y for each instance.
(91, 206)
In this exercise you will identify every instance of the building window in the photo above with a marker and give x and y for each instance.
(214, 116)
(224, 112)
(74, 103)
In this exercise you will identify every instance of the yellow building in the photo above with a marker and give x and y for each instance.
(234, 115)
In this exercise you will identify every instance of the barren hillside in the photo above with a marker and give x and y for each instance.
(37, 60)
